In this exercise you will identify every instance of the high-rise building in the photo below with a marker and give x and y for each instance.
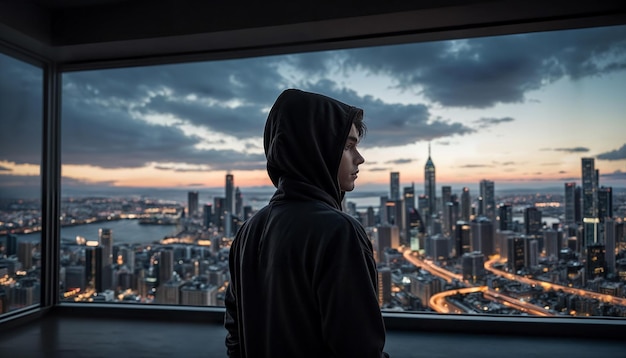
(388, 237)
(446, 195)
(238, 203)
(229, 200)
(218, 213)
(552, 243)
(532, 221)
(192, 203)
(589, 189)
(462, 238)
(591, 231)
(505, 217)
(605, 203)
(409, 196)
(578, 203)
(207, 215)
(438, 247)
(482, 239)
(570, 203)
(473, 264)
(105, 237)
(394, 186)
(430, 191)
(11, 245)
(488, 199)
(596, 261)
(384, 285)
(466, 204)
(25, 254)
(516, 252)
(610, 243)
(166, 265)
(451, 215)
(94, 267)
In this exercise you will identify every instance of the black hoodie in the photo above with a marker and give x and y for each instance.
(303, 278)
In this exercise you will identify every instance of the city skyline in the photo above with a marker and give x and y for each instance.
(519, 110)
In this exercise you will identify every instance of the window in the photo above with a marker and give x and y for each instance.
(515, 138)
(21, 116)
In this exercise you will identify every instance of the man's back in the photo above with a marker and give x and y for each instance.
(301, 257)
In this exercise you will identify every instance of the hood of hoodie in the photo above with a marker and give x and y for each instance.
(304, 137)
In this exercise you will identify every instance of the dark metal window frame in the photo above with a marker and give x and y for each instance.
(51, 191)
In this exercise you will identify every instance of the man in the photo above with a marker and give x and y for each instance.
(303, 278)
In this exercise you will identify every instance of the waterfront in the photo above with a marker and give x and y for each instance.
(124, 231)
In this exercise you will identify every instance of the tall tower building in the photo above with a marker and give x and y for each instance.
(466, 204)
(409, 197)
(482, 236)
(570, 203)
(605, 203)
(94, 267)
(394, 186)
(229, 201)
(590, 188)
(462, 238)
(207, 213)
(532, 221)
(166, 265)
(192, 203)
(446, 195)
(488, 202)
(238, 203)
(610, 242)
(105, 237)
(505, 217)
(430, 190)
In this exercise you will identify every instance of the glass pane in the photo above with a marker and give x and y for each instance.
(493, 182)
(21, 105)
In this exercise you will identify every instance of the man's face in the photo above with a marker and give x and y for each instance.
(350, 161)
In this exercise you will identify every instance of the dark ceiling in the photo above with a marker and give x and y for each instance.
(87, 32)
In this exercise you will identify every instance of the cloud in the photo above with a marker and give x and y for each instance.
(4, 169)
(482, 72)
(400, 161)
(572, 150)
(618, 154)
(488, 122)
(21, 113)
(391, 124)
(377, 169)
(469, 166)
(616, 175)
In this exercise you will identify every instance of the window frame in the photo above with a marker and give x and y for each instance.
(51, 192)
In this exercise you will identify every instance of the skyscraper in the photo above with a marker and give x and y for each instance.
(466, 204)
(505, 217)
(590, 187)
(488, 203)
(207, 213)
(570, 203)
(105, 237)
(430, 190)
(238, 203)
(605, 203)
(532, 220)
(394, 186)
(192, 203)
(229, 201)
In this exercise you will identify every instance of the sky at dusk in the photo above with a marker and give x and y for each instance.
(520, 110)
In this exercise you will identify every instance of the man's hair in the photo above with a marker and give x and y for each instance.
(359, 124)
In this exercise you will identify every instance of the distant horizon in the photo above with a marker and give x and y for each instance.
(360, 191)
